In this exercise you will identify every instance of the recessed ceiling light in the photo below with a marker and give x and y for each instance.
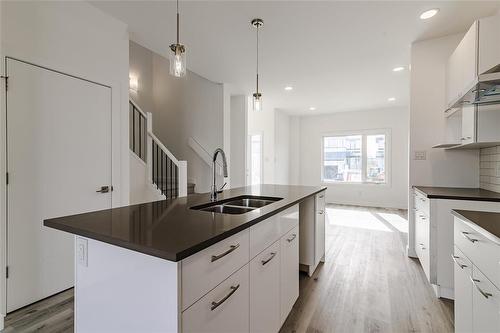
(429, 13)
(391, 99)
(288, 88)
(398, 69)
(312, 108)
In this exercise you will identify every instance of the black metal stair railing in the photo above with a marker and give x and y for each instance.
(164, 171)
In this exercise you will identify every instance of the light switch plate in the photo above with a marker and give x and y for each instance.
(82, 251)
(420, 155)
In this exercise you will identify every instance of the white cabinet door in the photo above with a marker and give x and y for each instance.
(224, 309)
(463, 293)
(468, 58)
(489, 47)
(453, 74)
(265, 290)
(319, 253)
(468, 124)
(486, 304)
(289, 272)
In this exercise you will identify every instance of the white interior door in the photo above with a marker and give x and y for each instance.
(58, 155)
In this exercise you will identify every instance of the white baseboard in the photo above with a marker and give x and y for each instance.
(410, 252)
(2, 317)
(443, 292)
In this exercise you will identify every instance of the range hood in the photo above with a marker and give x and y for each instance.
(485, 90)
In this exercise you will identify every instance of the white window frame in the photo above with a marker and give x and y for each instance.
(363, 133)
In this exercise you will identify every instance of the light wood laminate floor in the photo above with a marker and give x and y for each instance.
(367, 284)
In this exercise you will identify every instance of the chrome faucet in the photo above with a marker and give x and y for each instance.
(213, 190)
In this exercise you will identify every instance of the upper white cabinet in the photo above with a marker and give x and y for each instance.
(462, 66)
(489, 46)
(476, 54)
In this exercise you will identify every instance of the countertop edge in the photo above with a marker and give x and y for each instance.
(453, 197)
(186, 253)
(477, 227)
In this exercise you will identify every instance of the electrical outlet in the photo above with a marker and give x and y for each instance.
(420, 155)
(82, 251)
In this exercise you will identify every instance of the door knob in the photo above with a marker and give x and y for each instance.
(104, 189)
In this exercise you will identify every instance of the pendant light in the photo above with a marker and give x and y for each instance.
(178, 55)
(257, 96)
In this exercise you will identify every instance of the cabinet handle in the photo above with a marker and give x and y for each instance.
(422, 246)
(289, 240)
(423, 217)
(456, 262)
(465, 234)
(321, 196)
(485, 294)
(231, 249)
(264, 262)
(320, 212)
(215, 305)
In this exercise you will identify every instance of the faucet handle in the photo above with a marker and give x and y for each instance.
(222, 187)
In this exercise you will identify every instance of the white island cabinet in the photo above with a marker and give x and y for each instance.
(477, 272)
(312, 225)
(247, 282)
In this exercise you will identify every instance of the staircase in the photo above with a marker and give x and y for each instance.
(165, 173)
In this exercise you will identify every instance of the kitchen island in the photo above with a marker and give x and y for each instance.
(173, 266)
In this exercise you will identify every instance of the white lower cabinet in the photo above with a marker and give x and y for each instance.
(255, 298)
(477, 298)
(224, 309)
(485, 304)
(265, 290)
(289, 272)
(463, 293)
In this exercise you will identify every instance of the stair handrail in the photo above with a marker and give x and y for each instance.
(150, 137)
(198, 148)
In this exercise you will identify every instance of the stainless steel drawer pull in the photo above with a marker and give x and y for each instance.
(215, 305)
(466, 235)
(456, 262)
(485, 294)
(422, 246)
(320, 212)
(289, 240)
(231, 249)
(263, 262)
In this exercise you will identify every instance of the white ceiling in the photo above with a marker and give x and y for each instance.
(338, 56)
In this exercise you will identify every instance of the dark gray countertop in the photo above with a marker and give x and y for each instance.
(458, 193)
(487, 221)
(170, 229)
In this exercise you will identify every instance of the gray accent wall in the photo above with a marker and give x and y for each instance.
(181, 107)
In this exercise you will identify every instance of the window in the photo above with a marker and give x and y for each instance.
(355, 158)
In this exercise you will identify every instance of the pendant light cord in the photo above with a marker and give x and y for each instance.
(177, 22)
(257, 59)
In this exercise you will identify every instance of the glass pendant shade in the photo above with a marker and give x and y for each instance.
(257, 102)
(177, 60)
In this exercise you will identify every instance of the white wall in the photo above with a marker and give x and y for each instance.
(262, 122)
(75, 38)
(182, 108)
(313, 128)
(237, 160)
(428, 124)
(282, 148)
(454, 168)
(141, 189)
(294, 162)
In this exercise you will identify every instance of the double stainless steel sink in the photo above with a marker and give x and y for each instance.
(237, 205)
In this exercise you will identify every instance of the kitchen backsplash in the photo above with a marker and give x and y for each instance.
(490, 169)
